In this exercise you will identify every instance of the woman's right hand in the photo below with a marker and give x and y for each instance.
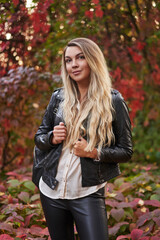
(59, 133)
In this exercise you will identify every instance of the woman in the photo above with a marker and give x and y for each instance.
(84, 134)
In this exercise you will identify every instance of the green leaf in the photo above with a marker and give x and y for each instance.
(155, 197)
(18, 224)
(2, 216)
(14, 183)
(29, 185)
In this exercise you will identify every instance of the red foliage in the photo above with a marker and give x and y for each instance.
(140, 45)
(98, 12)
(116, 227)
(6, 124)
(4, 45)
(117, 73)
(20, 150)
(155, 238)
(5, 237)
(131, 89)
(15, 2)
(154, 203)
(89, 14)
(40, 22)
(136, 234)
(156, 75)
(73, 8)
(22, 236)
(95, 1)
(36, 230)
(135, 56)
(17, 18)
(123, 237)
(31, 92)
(46, 4)
(117, 214)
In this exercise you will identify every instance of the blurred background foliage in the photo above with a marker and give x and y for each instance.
(32, 38)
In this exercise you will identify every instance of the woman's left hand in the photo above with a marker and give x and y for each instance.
(79, 151)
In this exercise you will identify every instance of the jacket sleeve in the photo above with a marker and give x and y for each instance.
(45, 131)
(121, 150)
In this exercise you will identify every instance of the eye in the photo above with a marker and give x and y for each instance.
(81, 57)
(67, 60)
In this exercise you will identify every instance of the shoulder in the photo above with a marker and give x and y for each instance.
(57, 96)
(118, 101)
(116, 96)
(58, 93)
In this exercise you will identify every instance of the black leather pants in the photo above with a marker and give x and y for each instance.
(88, 213)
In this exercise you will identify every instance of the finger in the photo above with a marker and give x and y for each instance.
(74, 148)
(63, 131)
(61, 124)
(77, 144)
(59, 129)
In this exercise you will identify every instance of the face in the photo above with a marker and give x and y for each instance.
(76, 65)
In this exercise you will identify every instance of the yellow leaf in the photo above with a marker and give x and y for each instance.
(148, 188)
(147, 229)
(111, 194)
(141, 202)
(109, 6)
(143, 209)
(141, 190)
(1, 194)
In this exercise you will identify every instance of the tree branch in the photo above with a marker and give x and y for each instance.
(132, 17)
(137, 7)
(11, 160)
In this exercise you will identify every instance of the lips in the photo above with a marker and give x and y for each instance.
(76, 72)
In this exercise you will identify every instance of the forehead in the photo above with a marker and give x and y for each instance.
(72, 51)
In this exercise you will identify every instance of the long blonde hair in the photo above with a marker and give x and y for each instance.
(94, 117)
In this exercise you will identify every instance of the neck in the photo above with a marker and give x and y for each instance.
(83, 89)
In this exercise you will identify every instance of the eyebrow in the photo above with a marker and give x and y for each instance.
(75, 56)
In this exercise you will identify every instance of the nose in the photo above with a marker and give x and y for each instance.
(74, 63)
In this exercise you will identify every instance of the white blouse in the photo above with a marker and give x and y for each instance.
(69, 179)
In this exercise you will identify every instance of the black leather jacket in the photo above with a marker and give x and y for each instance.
(93, 173)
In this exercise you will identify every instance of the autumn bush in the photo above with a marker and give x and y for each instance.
(22, 106)
(133, 206)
